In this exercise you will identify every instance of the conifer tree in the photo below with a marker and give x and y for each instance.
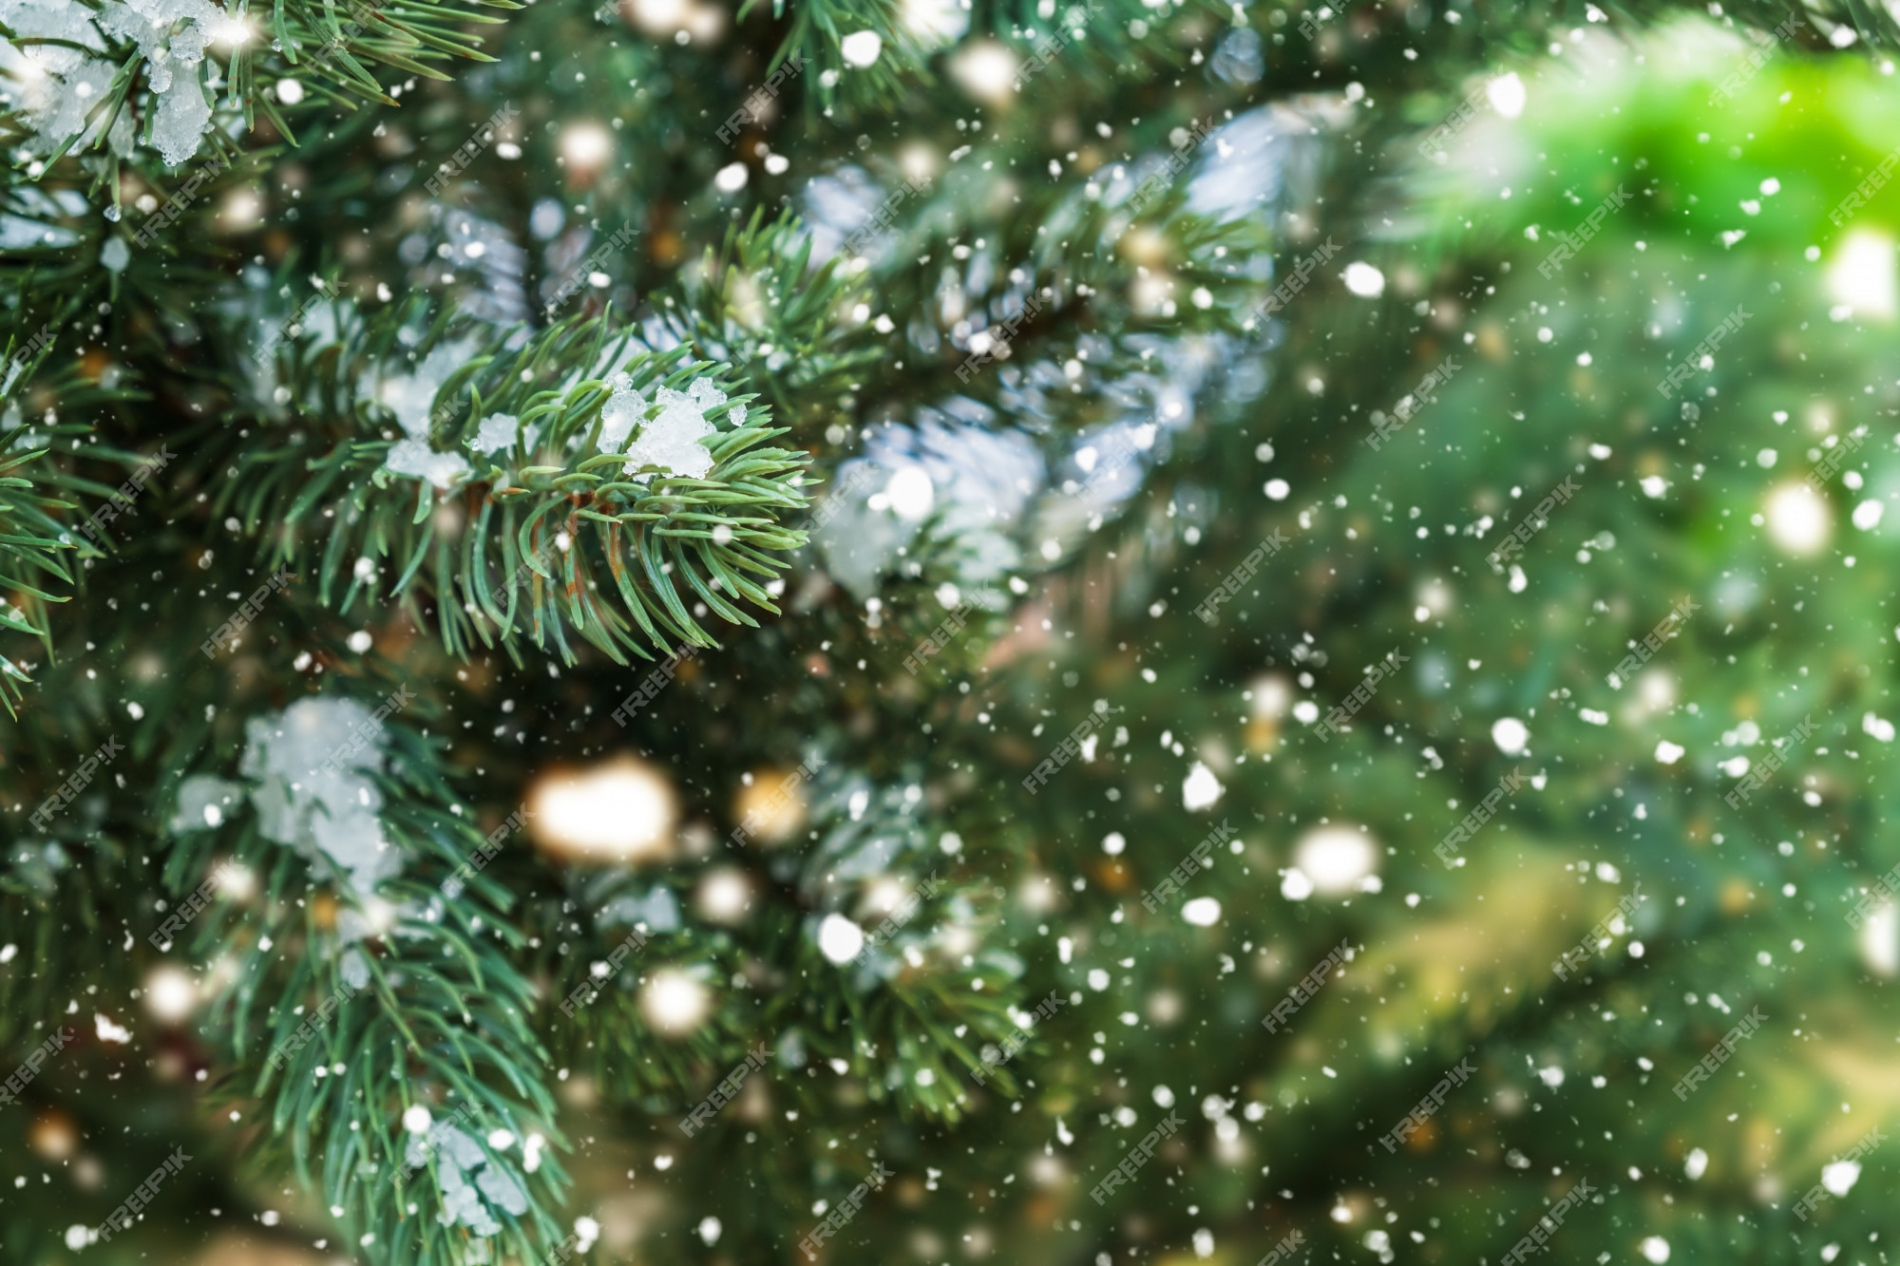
(842, 632)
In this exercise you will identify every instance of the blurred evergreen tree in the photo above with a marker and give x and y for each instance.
(673, 633)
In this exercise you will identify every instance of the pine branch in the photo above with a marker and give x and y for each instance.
(912, 1006)
(908, 1019)
(38, 488)
(792, 327)
(546, 530)
(147, 80)
(30, 546)
(349, 1011)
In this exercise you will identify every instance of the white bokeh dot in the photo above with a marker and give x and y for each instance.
(1510, 734)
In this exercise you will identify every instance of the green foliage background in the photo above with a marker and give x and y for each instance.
(1259, 427)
